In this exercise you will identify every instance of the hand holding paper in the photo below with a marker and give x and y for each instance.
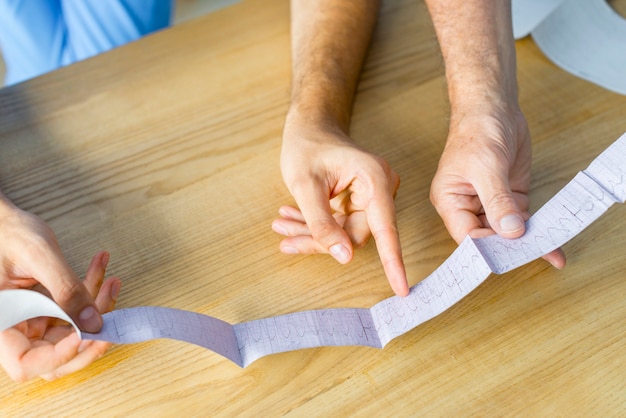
(42, 345)
(482, 182)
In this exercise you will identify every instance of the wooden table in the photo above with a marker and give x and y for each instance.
(165, 152)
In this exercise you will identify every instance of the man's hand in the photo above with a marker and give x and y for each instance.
(481, 185)
(48, 347)
(344, 194)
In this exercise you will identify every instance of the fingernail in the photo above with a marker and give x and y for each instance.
(289, 250)
(104, 261)
(90, 320)
(115, 290)
(279, 229)
(340, 253)
(511, 223)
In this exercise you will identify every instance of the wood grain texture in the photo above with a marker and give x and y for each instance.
(165, 152)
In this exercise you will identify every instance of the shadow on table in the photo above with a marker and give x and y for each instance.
(78, 187)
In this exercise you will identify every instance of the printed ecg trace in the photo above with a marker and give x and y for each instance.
(573, 208)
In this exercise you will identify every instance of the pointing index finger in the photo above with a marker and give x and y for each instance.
(381, 217)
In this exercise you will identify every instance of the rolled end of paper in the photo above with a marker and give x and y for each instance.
(20, 305)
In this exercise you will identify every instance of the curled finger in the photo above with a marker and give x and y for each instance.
(89, 351)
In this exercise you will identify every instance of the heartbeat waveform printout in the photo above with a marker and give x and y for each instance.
(577, 205)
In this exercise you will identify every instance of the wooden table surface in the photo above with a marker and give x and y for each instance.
(165, 152)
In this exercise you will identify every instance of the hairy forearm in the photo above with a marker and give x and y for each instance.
(478, 48)
(329, 42)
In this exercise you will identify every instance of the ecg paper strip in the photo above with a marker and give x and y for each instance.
(20, 305)
(583, 37)
(528, 14)
(588, 39)
(573, 208)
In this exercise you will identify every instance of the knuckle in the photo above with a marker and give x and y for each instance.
(434, 196)
(301, 182)
(384, 231)
(390, 262)
(322, 229)
(68, 292)
(499, 200)
(376, 166)
(41, 242)
(438, 191)
(383, 163)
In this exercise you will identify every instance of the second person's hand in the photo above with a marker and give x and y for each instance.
(30, 255)
(50, 348)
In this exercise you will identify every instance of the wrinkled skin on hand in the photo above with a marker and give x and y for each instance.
(344, 195)
(483, 178)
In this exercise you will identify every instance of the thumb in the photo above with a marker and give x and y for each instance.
(501, 209)
(68, 292)
(315, 207)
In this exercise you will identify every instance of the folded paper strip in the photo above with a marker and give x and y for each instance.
(573, 208)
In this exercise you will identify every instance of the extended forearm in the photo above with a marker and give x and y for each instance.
(478, 48)
(329, 42)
